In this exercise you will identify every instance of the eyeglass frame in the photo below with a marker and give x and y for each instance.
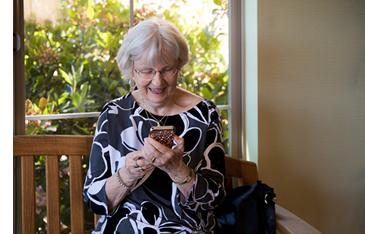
(155, 71)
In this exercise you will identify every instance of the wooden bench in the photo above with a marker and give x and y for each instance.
(76, 147)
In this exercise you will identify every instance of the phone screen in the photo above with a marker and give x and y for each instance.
(163, 134)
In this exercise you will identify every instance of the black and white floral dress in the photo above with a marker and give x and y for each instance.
(156, 205)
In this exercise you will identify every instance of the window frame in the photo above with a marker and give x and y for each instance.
(18, 105)
(236, 78)
(243, 76)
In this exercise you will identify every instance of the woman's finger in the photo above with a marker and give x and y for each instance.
(157, 146)
(135, 164)
(150, 152)
(143, 163)
(179, 143)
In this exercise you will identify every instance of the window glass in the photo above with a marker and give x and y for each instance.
(69, 62)
(70, 46)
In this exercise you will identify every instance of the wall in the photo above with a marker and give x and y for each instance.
(312, 109)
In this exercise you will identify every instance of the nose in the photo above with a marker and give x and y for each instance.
(157, 79)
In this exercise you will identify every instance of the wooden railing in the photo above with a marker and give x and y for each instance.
(53, 146)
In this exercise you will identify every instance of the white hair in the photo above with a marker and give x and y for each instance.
(153, 40)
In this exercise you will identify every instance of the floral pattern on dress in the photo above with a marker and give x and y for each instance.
(156, 205)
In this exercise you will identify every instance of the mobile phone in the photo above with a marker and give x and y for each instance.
(163, 134)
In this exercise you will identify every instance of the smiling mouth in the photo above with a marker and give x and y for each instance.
(156, 90)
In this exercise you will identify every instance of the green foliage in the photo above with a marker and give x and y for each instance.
(71, 63)
(70, 67)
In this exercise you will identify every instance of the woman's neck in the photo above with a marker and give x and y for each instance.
(167, 108)
(160, 110)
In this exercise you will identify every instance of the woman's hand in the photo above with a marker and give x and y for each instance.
(118, 186)
(136, 166)
(168, 160)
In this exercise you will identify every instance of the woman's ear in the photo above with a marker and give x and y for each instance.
(132, 84)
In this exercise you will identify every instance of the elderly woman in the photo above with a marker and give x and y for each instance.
(135, 183)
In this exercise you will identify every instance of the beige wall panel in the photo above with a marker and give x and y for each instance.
(312, 109)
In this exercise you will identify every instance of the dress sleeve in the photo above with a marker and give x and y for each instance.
(208, 189)
(99, 167)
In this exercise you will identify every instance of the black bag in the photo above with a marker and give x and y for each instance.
(248, 209)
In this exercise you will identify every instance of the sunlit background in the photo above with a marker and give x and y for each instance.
(194, 12)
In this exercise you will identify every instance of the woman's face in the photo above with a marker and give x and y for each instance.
(156, 84)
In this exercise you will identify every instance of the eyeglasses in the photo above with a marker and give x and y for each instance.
(149, 73)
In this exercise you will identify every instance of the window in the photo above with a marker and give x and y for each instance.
(70, 71)
(237, 72)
